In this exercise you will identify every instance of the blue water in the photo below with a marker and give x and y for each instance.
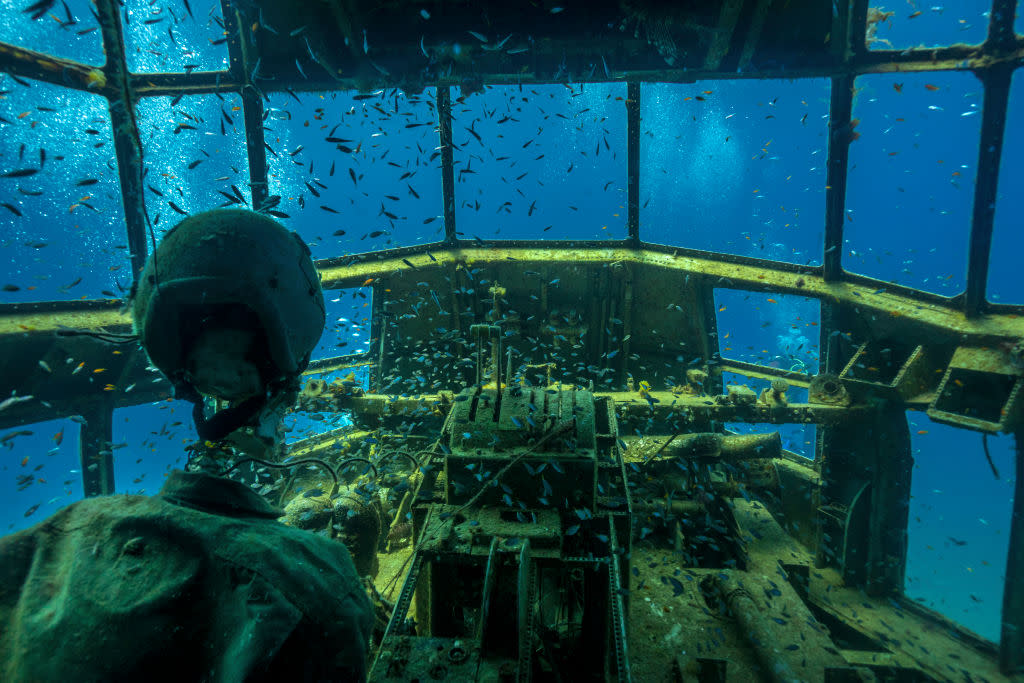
(731, 166)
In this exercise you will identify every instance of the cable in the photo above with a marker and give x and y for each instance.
(373, 467)
(658, 452)
(415, 463)
(493, 480)
(267, 463)
(984, 445)
(318, 461)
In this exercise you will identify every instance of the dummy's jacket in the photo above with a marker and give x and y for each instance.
(198, 583)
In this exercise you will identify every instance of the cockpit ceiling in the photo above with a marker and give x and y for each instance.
(417, 43)
(412, 44)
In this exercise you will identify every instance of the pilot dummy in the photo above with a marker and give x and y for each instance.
(200, 582)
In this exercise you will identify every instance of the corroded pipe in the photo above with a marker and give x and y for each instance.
(725, 447)
(759, 628)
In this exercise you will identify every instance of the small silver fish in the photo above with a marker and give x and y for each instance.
(8, 402)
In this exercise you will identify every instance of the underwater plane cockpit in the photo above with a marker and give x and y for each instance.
(661, 341)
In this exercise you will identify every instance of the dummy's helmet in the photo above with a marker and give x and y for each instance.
(229, 305)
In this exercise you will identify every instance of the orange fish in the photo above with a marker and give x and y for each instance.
(24, 461)
(58, 438)
(931, 87)
(368, 281)
(898, 87)
(922, 431)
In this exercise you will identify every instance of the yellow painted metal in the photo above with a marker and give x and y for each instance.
(108, 318)
(720, 272)
(717, 270)
(50, 68)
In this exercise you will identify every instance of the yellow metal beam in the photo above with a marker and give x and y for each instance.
(711, 268)
(92, 315)
(57, 70)
(717, 270)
